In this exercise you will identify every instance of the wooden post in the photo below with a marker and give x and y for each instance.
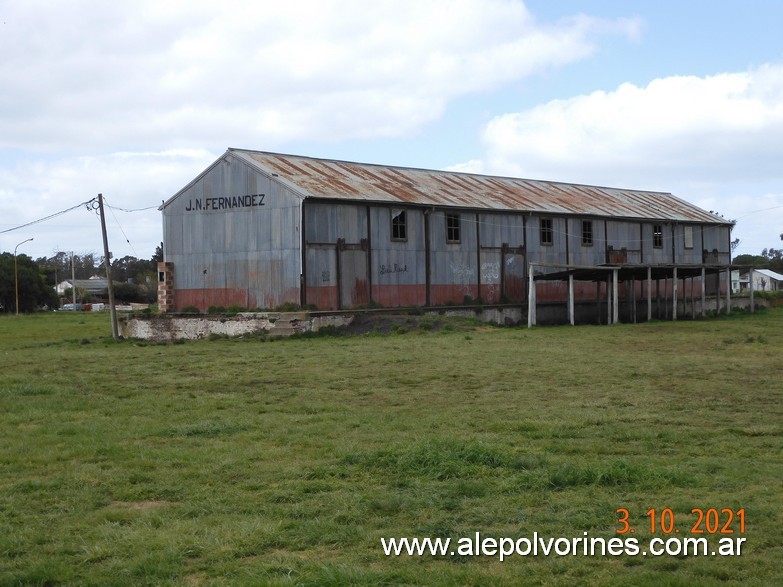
(750, 288)
(107, 264)
(615, 297)
(531, 299)
(674, 294)
(571, 298)
(728, 290)
(649, 293)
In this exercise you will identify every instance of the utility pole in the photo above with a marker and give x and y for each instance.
(73, 281)
(107, 263)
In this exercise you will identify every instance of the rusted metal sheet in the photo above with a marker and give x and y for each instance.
(320, 178)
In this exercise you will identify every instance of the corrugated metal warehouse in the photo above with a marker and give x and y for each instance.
(260, 229)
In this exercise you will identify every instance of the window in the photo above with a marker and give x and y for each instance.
(587, 233)
(399, 225)
(657, 236)
(547, 236)
(688, 237)
(452, 228)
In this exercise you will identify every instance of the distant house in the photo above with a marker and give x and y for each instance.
(763, 280)
(95, 286)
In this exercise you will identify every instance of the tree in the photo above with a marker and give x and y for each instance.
(774, 259)
(34, 293)
(58, 266)
(769, 259)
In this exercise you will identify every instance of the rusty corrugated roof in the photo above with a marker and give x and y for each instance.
(343, 180)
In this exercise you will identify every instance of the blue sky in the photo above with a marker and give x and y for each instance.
(135, 99)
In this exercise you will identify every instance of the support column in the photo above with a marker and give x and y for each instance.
(615, 297)
(649, 294)
(531, 299)
(750, 288)
(728, 290)
(571, 299)
(165, 286)
(674, 294)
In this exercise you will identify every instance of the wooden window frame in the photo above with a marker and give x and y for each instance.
(657, 236)
(399, 225)
(453, 228)
(587, 233)
(546, 228)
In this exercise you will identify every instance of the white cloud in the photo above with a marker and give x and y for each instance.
(722, 127)
(35, 189)
(716, 141)
(81, 75)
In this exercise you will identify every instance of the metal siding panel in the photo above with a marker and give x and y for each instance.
(580, 254)
(250, 253)
(397, 262)
(554, 253)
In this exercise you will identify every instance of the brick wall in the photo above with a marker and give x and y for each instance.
(165, 286)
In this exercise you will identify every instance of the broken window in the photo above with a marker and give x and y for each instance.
(399, 225)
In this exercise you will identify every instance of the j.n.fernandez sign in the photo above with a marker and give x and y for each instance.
(225, 202)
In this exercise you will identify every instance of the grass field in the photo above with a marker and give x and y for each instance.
(234, 462)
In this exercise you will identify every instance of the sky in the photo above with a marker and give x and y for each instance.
(134, 99)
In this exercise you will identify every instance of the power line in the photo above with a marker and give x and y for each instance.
(111, 208)
(129, 210)
(60, 213)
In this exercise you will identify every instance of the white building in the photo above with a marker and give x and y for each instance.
(763, 280)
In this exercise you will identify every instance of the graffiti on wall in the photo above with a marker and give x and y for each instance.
(490, 278)
(393, 268)
(463, 277)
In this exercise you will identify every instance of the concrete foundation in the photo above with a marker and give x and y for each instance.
(170, 327)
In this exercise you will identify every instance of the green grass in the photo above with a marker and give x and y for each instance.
(235, 461)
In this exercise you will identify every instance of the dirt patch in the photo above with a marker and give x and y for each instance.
(139, 505)
(392, 324)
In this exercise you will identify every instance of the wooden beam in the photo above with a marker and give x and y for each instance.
(571, 299)
(674, 294)
(531, 299)
(728, 290)
(615, 297)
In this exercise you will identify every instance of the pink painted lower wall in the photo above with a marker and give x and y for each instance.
(399, 296)
(205, 298)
